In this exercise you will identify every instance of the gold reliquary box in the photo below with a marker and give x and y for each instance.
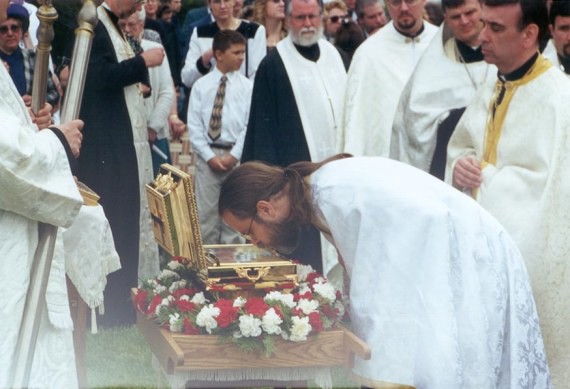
(220, 268)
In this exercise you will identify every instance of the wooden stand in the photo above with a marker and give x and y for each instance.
(179, 353)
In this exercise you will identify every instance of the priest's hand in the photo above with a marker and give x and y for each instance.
(217, 165)
(207, 57)
(153, 57)
(43, 118)
(467, 173)
(229, 161)
(72, 132)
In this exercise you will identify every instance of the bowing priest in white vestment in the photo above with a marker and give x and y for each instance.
(510, 152)
(37, 186)
(558, 48)
(437, 288)
(444, 82)
(380, 68)
(297, 104)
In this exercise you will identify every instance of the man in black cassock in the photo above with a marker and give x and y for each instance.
(115, 161)
(296, 107)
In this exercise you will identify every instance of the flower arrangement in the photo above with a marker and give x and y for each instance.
(253, 323)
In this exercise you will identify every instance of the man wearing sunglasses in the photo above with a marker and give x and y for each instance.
(378, 73)
(21, 62)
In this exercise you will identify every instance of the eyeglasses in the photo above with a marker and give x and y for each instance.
(247, 235)
(301, 18)
(14, 28)
(278, 1)
(398, 3)
(337, 19)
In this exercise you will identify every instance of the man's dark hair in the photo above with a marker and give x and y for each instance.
(361, 4)
(445, 4)
(559, 8)
(224, 39)
(533, 12)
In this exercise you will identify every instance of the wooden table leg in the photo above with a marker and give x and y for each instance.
(79, 310)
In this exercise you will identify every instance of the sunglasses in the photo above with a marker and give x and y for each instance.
(14, 28)
(337, 19)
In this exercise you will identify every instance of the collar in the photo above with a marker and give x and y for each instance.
(520, 72)
(311, 53)
(468, 53)
(564, 63)
(411, 37)
(114, 18)
(230, 75)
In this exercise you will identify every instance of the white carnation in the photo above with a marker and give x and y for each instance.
(308, 306)
(177, 285)
(175, 322)
(168, 274)
(300, 329)
(303, 271)
(199, 299)
(207, 317)
(239, 302)
(286, 299)
(249, 326)
(271, 322)
(185, 297)
(174, 265)
(326, 291)
(304, 288)
(159, 289)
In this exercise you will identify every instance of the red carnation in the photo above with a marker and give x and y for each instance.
(228, 313)
(185, 305)
(315, 321)
(255, 306)
(154, 303)
(311, 277)
(140, 300)
(183, 291)
(189, 328)
(330, 312)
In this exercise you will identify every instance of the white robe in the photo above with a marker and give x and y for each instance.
(439, 84)
(378, 73)
(148, 249)
(550, 54)
(323, 80)
(438, 289)
(528, 192)
(37, 186)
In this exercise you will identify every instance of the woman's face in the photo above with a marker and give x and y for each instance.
(275, 9)
(334, 20)
(150, 7)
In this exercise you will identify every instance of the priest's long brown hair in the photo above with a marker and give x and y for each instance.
(255, 181)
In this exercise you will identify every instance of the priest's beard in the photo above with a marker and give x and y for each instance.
(284, 236)
(302, 38)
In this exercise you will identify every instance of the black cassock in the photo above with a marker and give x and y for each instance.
(108, 163)
(275, 133)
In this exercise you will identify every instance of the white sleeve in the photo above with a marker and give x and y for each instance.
(196, 127)
(158, 119)
(256, 50)
(190, 72)
(35, 177)
(238, 147)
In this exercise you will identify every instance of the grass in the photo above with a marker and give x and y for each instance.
(120, 358)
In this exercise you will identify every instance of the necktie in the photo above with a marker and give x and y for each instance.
(216, 117)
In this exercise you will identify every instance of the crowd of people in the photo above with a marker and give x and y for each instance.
(471, 92)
